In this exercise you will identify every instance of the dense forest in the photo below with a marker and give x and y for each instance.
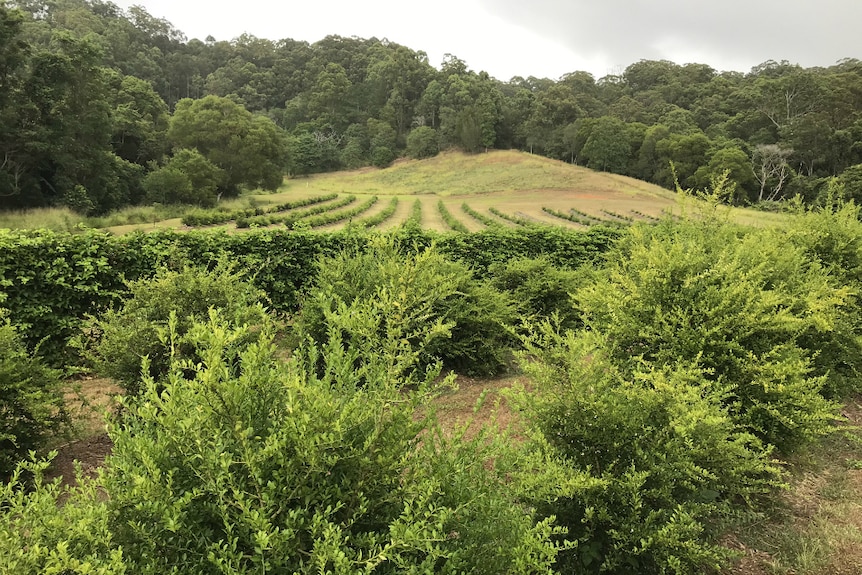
(102, 107)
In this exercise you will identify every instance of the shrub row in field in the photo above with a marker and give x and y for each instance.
(482, 218)
(571, 216)
(331, 217)
(380, 217)
(585, 215)
(646, 216)
(623, 217)
(415, 218)
(289, 219)
(50, 281)
(515, 219)
(213, 217)
(451, 220)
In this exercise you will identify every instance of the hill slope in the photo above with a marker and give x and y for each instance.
(455, 173)
(498, 184)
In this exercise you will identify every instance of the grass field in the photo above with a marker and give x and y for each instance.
(517, 185)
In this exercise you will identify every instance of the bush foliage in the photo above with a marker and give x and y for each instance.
(172, 300)
(640, 467)
(267, 468)
(31, 400)
(399, 293)
(748, 307)
(540, 290)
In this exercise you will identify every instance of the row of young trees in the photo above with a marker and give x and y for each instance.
(93, 84)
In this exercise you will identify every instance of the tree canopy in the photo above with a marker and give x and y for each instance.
(94, 97)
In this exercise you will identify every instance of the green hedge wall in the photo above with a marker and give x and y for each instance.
(50, 280)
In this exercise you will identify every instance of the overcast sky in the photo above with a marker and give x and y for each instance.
(549, 38)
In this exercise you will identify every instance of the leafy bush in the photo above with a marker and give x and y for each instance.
(737, 304)
(31, 400)
(832, 236)
(539, 289)
(117, 341)
(382, 156)
(167, 185)
(244, 464)
(402, 293)
(51, 528)
(640, 467)
(50, 281)
(205, 178)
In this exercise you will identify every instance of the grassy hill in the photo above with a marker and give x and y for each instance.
(502, 186)
(512, 182)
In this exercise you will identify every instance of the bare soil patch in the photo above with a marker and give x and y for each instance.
(89, 401)
(477, 403)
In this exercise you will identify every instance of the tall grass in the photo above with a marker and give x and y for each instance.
(138, 215)
(66, 220)
(57, 219)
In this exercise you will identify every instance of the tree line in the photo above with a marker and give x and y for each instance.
(102, 107)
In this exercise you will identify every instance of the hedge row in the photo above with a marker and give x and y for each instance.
(451, 220)
(212, 217)
(291, 218)
(332, 217)
(415, 218)
(487, 220)
(50, 281)
(571, 216)
(380, 217)
(515, 219)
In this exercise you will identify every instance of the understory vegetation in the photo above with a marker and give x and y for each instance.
(673, 374)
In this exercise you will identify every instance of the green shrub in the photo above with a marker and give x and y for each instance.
(422, 142)
(31, 400)
(54, 528)
(241, 463)
(832, 235)
(642, 468)
(118, 340)
(382, 156)
(735, 302)
(167, 185)
(272, 470)
(401, 292)
(539, 289)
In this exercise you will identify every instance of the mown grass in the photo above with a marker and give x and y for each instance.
(455, 173)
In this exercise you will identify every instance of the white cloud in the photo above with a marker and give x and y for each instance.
(548, 38)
